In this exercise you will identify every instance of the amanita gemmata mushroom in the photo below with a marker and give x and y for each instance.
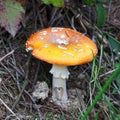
(61, 47)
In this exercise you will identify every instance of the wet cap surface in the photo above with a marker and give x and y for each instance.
(62, 46)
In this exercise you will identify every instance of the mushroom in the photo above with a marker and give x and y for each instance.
(61, 47)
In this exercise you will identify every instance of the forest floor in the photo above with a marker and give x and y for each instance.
(20, 71)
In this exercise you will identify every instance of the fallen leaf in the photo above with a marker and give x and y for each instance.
(10, 15)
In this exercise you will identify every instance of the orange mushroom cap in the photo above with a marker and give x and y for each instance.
(62, 46)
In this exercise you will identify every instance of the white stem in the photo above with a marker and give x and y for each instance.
(60, 74)
(59, 89)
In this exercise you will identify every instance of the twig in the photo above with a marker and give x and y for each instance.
(109, 8)
(6, 55)
(16, 72)
(21, 92)
(56, 15)
(9, 109)
(32, 99)
(26, 78)
(8, 71)
(36, 75)
(34, 13)
(16, 69)
(54, 12)
(25, 84)
(39, 17)
(107, 73)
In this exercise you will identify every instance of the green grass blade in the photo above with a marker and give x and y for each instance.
(101, 15)
(97, 98)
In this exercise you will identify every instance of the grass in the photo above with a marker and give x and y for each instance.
(101, 95)
(102, 91)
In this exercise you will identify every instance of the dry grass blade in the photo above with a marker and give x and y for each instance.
(9, 109)
(6, 55)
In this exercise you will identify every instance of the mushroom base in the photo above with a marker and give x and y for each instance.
(59, 92)
(74, 101)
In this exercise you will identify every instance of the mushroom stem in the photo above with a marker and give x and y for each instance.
(59, 92)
